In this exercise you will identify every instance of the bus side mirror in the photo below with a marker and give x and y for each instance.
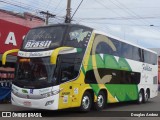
(4, 56)
(63, 50)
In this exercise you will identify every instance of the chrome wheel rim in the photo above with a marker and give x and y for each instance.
(85, 102)
(140, 97)
(146, 97)
(100, 101)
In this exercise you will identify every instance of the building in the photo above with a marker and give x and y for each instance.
(13, 27)
(24, 19)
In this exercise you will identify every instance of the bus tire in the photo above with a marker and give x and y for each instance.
(101, 101)
(146, 97)
(86, 102)
(140, 97)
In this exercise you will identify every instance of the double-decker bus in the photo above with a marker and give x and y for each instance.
(69, 65)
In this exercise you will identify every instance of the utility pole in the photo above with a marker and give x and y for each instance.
(48, 15)
(68, 14)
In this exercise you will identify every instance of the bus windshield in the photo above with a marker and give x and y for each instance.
(35, 70)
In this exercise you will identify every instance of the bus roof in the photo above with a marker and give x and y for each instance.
(119, 39)
(99, 32)
(63, 24)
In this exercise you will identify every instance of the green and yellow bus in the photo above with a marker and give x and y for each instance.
(68, 65)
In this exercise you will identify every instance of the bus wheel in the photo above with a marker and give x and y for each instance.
(141, 97)
(101, 101)
(146, 97)
(86, 102)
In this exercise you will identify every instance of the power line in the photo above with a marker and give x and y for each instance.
(48, 4)
(122, 18)
(76, 9)
(19, 5)
(109, 9)
(118, 13)
(33, 6)
(26, 8)
(131, 12)
(84, 8)
(57, 5)
(119, 24)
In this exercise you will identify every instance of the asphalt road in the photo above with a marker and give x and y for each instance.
(152, 106)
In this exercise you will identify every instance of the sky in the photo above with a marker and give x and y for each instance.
(137, 21)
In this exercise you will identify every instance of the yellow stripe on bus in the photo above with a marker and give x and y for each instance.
(86, 58)
(111, 99)
(53, 58)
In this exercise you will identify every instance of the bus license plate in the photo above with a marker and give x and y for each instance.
(27, 103)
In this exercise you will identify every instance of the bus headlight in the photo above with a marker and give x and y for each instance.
(45, 95)
(49, 102)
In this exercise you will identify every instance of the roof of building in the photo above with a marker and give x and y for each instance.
(21, 15)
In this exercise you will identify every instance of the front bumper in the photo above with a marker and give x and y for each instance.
(36, 103)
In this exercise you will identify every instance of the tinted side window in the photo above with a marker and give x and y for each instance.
(136, 54)
(103, 48)
(147, 57)
(66, 72)
(118, 76)
(106, 45)
(126, 50)
(78, 37)
(154, 59)
(69, 66)
(117, 45)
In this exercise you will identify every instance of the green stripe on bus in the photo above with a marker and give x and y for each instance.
(124, 64)
(123, 92)
(95, 88)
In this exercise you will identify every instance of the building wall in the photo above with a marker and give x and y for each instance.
(13, 27)
(11, 35)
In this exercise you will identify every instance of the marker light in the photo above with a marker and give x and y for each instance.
(24, 60)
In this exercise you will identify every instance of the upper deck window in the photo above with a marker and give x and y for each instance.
(78, 37)
(51, 37)
(43, 38)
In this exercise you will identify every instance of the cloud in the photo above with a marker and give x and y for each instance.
(146, 36)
